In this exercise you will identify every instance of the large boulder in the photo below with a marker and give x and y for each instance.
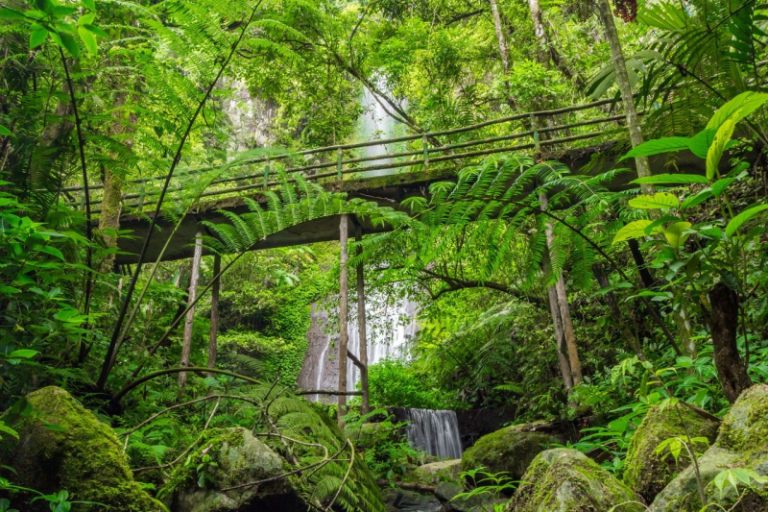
(440, 471)
(742, 444)
(64, 446)
(509, 450)
(566, 480)
(647, 472)
(230, 471)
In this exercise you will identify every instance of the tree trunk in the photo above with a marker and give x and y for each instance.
(546, 50)
(186, 347)
(561, 295)
(109, 218)
(724, 323)
(622, 80)
(503, 49)
(363, 337)
(343, 320)
(562, 350)
(215, 289)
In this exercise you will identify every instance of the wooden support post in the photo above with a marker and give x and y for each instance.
(362, 335)
(343, 320)
(215, 289)
(186, 347)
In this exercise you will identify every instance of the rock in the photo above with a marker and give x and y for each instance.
(646, 472)
(566, 480)
(440, 471)
(228, 459)
(741, 444)
(63, 445)
(508, 450)
(403, 500)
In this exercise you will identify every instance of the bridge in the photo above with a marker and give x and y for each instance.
(383, 170)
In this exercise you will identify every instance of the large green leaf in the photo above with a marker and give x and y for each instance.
(718, 146)
(635, 229)
(743, 217)
(675, 233)
(671, 179)
(658, 147)
(38, 36)
(657, 201)
(738, 108)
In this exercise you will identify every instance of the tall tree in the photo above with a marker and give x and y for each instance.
(186, 344)
(625, 86)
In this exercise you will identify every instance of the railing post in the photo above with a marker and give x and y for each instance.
(266, 174)
(339, 160)
(425, 147)
(536, 136)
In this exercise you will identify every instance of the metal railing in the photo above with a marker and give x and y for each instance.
(545, 131)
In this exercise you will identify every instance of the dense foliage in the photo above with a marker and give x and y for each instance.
(557, 280)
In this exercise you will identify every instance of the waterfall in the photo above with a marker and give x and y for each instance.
(435, 432)
(375, 123)
(390, 327)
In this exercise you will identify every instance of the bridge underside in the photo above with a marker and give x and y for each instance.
(387, 190)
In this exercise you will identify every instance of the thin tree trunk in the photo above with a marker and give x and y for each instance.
(343, 320)
(213, 338)
(622, 80)
(546, 50)
(503, 49)
(561, 294)
(363, 337)
(724, 323)
(562, 350)
(186, 347)
(568, 332)
(109, 218)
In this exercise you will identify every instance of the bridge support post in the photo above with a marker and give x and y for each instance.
(215, 289)
(186, 346)
(362, 334)
(343, 320)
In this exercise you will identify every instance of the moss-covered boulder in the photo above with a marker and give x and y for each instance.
(510, 450)
(62, 445)
(232, 470)
(440, 471)
(566, 480)
(742, 444)
(647, 472)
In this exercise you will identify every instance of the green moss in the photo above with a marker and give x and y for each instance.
(225, 458)
(565, 480)
(742, 443)
(647, 472)
(745, 427)
(509, 450)
(64, 446)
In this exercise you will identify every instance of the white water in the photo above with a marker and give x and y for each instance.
(389, 330)
(435, 432)
(375, 123)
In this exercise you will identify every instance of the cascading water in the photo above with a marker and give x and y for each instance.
(390, 328)
(435, 432)
(375, 123)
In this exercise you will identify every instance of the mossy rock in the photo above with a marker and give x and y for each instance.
(64, 446)
(217, 475)
(647, 472)
(741, 443)
(436, 472)
(510, 450)
(566, 480)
